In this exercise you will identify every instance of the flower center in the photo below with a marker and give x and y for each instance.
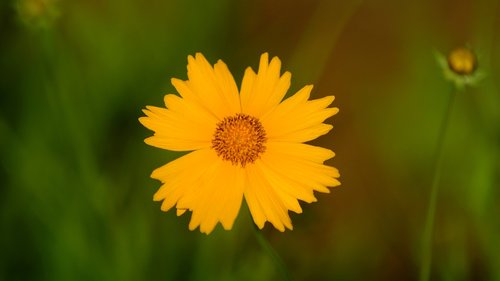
(239, 139)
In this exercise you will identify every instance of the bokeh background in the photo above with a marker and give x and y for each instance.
(76, 197)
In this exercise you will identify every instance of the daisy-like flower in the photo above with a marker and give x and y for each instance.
(246, 143)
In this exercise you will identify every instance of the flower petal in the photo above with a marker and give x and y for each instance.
(263, 91)
(300, 150)
(292, 168)
(189, 110)
(294, 171)
(218, 198)
(180, 176)
(305, 134)
(212, 88)
(181, 129)
(264, 202)
(303, 118)
(202, 183)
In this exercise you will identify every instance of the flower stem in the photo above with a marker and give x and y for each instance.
(278, 261)
(431, 209)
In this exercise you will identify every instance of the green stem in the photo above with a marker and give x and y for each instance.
(431, 209)
(268, 248)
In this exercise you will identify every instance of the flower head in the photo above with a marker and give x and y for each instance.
(460, 67)
(243, 144)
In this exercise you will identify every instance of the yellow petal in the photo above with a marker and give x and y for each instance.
(282, 181)
(213, 89)
(217, 198)
(305, 159)
(182, 164)
(235, 184)
(228, 87)
(299, 121)
(180, 212)
(300, 150)
(263, 201)
(263, 91)
(190, 111)
(279, 187)
(305, 134)
(306, 173)
(180, 176)
(204, 184)
(284, 108)
(173, 130)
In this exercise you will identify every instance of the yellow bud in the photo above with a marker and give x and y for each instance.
(462, 61)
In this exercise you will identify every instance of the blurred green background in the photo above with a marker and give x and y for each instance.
(76, 197)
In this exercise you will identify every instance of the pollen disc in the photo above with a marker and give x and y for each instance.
(240, 139)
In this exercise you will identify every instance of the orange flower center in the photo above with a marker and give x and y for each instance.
(240, 139)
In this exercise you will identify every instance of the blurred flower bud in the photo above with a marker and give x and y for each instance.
(460, 67)
(462, 61)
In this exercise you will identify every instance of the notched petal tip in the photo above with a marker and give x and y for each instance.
(303, 94)
(329, 154)
(275, 59)
(287, 75)
(327, 101)
(275, 64)
(143, 119)
(220, 62)
(175, 81)
(166, 205)
(227, 225)
(200, 56)
(327, 128)
(281, 224)
(336, 183)
(180, 212)
(330, 111)
(201, 61)
(169, 99)
(149, 141)
(191, 64)
(160, 194)
(260, 225)
(192, 225)
(146, 111)
(325, 190)
(156, 174)
(264, 62)
(154, 109)
(249, 71)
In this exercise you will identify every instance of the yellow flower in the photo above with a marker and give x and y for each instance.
(243, 144)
